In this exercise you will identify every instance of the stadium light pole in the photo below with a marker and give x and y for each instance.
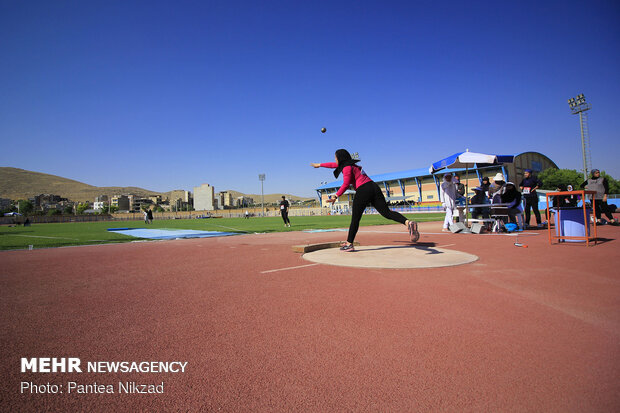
(579, 106)
(261, 178)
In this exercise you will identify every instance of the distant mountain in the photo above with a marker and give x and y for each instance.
(18, 183)
(269, 198)
(22, 184)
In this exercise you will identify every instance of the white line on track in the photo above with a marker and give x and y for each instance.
(222, 226)
(41, 236)
(289, 268)
(447, 245)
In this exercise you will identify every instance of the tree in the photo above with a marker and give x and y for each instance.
(25, 206)
(614, 185)
(552, 177)
(81, 208)
(52, 212)
(68, 210)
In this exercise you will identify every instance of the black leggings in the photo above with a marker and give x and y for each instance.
(370, 193)
(285, 217)
(602, 208)
(531, 203)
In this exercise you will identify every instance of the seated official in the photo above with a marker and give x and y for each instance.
(512, 197)
(479, 198)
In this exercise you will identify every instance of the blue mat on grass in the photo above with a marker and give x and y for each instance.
(169, 233)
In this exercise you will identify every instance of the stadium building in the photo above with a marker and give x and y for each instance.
(421, 188)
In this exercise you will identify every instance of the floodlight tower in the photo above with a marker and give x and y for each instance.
(261, 178)
(579, 106)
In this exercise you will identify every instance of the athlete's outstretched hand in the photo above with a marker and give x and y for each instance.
(315, 165)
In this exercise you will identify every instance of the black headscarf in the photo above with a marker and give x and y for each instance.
(344, 159)
(510, 193)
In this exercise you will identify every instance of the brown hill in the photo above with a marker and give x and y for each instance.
(269, 198)
(18, 183)
(22, 184)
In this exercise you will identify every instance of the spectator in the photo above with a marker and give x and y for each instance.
(149, 216)
(479, 198)
(448, 196)
(572, 199)
(247, 214)
(146, 216)
(528, 186)
(486, 184)
(601, 187)
(460, 189)
(560, 201)
(497, 188)
(512, 197)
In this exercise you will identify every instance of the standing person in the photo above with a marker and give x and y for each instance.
(284, 206)
(460, 188)
(367, 192)
(247, 214)
(448, 194)
(528, 186)
(601, 186)
(146, 216)
(149, 215)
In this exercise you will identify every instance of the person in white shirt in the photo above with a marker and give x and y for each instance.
(448, 195)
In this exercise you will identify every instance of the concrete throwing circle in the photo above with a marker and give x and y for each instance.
(391, 256)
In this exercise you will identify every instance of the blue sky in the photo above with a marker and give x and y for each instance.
(170, 95)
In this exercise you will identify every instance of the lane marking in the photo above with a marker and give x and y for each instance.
(447, 245)
(289, 268)
(222, 226)
(41, 236)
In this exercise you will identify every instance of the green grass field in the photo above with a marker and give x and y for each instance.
(88, 233)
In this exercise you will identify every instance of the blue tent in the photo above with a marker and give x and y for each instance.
(466, 160)
(469, 159)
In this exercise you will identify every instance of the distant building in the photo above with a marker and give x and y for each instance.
(139, 204)
(121, 202)
(102, 198)
(204, 198)
(227, 200)
(180, 200)
(99, 205)
(243, 201)
(156, 199)
(5, 204)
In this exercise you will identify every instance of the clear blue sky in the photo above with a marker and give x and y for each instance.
(170, 95)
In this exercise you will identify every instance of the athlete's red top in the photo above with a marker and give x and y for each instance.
(351, 175)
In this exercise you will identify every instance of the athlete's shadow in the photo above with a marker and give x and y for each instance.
(424, 246)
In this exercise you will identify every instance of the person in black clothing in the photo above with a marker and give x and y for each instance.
(573, 200)
(485, 185)
(512, 197)
(601, 187)
(149, 216)
(561, 201)
(528, 186)
(479, 199)
(284, 205)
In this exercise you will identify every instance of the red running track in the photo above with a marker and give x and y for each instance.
(522, 329)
